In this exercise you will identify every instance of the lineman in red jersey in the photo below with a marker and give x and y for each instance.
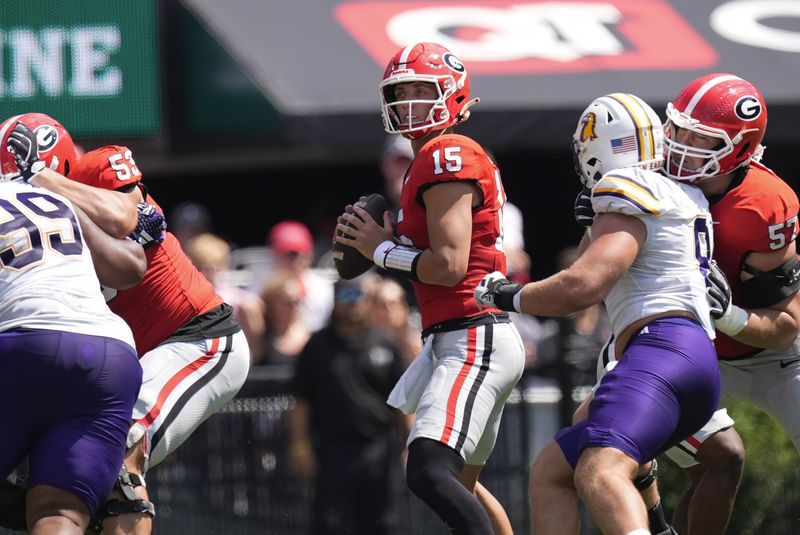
(180, 290)
(193, 352)
(448, 236)
(714, 129)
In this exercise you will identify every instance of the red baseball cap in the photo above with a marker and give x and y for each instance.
(290, 237)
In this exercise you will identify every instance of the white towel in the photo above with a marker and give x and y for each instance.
(409, 388)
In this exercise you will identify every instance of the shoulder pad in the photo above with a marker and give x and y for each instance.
(761, 204)
(110, 167)
(451, 157)
(627, 191)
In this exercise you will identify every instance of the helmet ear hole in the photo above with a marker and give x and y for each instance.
(460, 99)
(592, 161)
(745, 148)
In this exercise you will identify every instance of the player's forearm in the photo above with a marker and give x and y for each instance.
(558, 295)
(445, 268)
(119, 263)
(112, 211)
(770, 329)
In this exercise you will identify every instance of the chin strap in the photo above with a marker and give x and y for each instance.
(758, 154)
(464, 115)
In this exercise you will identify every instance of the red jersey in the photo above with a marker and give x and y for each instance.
(759, 215)
(173, 291)
(447, 158)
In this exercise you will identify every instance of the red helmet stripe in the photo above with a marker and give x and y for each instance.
(705, 88)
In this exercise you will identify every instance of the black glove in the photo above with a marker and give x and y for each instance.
(718, 291)
(496, 291)
(151, 226)
(23, 145)
(584, 213)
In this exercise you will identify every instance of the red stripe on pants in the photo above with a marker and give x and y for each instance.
(694, 442)
(174, 381)
(452, 400)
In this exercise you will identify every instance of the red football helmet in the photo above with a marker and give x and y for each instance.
(425, 62)
(721, 106)
(56, 148)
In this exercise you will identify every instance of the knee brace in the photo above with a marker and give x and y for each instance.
(644, 481)
(130, 502)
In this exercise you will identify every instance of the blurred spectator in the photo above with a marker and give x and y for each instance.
(211, 255)
(343, 435)
(519, 262)
(395, 159)
(519, 271)
(518, 266)
(531, 332)
(189, 219)
(570, 346)
(293, 250)
(396, 156)
(285, 332)
(388, 309)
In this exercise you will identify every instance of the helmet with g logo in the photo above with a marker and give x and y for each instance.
(56, 148)
(720, 106)
(434, 64)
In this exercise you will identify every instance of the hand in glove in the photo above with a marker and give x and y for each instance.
(151, 226)
(23, 145)
(496, 291)
(728, 318)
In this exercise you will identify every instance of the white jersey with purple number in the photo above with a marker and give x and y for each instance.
(48, 279)
(669, 271)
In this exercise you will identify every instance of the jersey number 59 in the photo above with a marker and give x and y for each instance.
(23, 242)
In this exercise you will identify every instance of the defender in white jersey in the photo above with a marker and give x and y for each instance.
(62, 293)
(67, 363)
(646, 254)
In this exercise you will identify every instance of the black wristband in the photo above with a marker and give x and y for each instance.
(504, 297)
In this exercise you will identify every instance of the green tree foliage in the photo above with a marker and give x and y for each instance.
(769, 495)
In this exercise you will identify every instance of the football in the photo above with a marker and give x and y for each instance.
(349, 262)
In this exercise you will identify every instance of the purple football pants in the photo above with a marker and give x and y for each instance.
(665, 387)
(68, 402)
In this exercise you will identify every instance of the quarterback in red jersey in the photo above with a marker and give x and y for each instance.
(715, 127)
(193, 353)
(448, 236)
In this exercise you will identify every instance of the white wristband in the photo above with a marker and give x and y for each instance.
(379, 255)
(733, 322)
(516, 301)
